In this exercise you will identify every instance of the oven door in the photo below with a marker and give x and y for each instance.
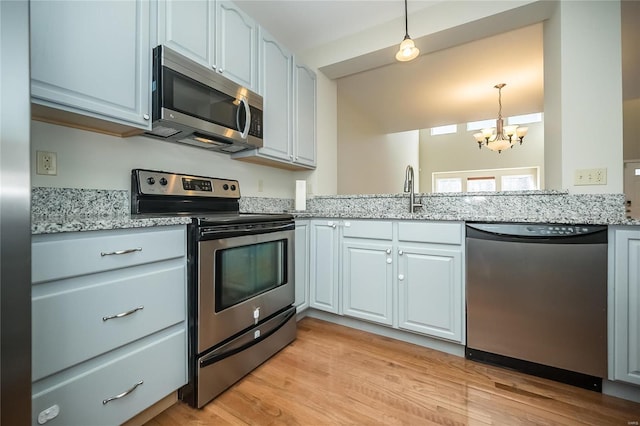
(242, 281)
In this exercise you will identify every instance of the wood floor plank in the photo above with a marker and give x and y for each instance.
(335, 375)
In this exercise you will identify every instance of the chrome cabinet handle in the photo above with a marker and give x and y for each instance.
(146, 116)
(119, 252)
(388, 251)
(123, 394)
(400, 252)
(123, 314)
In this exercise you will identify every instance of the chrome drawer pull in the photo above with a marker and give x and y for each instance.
(123, 314)
(111, 253)
(123, 394)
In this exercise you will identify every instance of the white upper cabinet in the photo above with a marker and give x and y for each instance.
(236, 45)
(188, 27)
(304, 120)
(216, 34)
(289, 93)
(91, 58)
(275, 81)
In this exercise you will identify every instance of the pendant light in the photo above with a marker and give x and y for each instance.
(408, 49)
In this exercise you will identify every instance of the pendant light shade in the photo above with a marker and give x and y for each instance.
(408, 49)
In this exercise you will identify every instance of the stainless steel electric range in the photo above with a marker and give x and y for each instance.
(240, 276)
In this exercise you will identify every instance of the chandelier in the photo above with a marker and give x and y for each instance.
(501, 137)
(408, 49)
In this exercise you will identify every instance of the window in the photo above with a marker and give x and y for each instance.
(524, 119)
(518, 183)
(444, 130)
(511, 179)
(449, 185)
(479, 125)
(481, 184)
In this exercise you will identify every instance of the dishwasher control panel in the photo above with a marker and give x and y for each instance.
(557, 229)
(537, 229)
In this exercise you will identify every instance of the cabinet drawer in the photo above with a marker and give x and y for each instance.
(380, 230)
(71, 254)
(431, 232)
(68, 323)
(160, 364)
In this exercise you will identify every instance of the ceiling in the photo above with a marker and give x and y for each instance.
(447, 86)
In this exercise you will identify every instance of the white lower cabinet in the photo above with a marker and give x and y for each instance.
(430, 291)
(302, 265)
(109, 335)
(405, 274)
(367, 270)
(625, 305)
(367, 281)
(324, 266)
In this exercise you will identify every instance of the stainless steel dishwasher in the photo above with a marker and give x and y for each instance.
(537, 299)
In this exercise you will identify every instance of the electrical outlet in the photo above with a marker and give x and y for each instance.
(46, 163)
(260, 185)
(590, 177)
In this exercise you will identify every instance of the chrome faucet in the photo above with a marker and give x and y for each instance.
(408, 187)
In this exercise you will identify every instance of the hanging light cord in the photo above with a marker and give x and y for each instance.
(406, 21)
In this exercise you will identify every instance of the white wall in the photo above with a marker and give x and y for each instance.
(97, 161)
(583, 94)
(371, 162)
(459, 151)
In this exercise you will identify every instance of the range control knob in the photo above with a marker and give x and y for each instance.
(233, 187)
(151, 180)
(225, 187)
(163, 181)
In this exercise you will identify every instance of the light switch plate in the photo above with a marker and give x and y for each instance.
(590, 177)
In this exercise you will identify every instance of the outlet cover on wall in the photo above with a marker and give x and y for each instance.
(46, 163)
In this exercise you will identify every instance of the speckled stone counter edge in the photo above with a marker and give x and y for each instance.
(68, 210)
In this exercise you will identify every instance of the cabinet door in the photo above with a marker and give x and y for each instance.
(324, 266)
(304, 106)
(92, 58)
(302, 265)
(430, 291)
(367, 280)
(188, 28)
(626, 356)
(275, 84)
(236, 44)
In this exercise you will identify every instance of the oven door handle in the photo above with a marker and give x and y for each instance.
(215, 357)
(248, 231)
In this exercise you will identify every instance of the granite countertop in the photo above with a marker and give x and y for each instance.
(69, 210)
(55, 210)
(49, 224)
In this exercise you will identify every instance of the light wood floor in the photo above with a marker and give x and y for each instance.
(334, 375)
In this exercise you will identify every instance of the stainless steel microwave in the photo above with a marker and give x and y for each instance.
(195, 105)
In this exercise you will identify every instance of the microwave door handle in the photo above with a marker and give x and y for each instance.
(247, 118)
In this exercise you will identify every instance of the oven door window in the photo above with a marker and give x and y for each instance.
(247, 271)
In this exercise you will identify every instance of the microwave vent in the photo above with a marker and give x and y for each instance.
(164, 132)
